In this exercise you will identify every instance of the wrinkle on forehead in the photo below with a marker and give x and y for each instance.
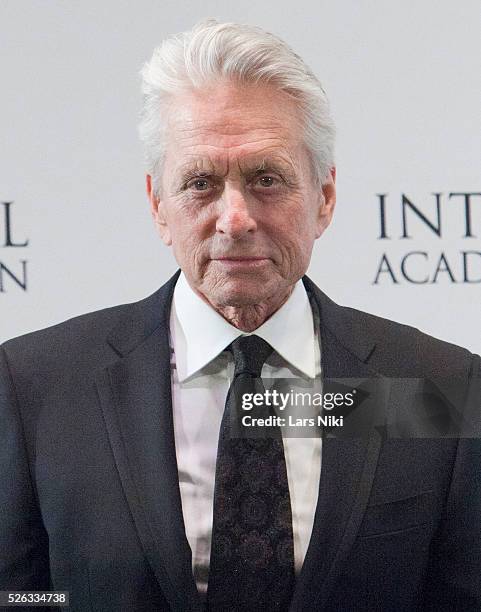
(225, 127)
(230, 137)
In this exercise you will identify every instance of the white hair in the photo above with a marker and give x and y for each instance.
(213, 52)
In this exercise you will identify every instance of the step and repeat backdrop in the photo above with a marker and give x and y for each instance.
(403, 79)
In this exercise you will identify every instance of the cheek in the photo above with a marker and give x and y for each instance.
(189, 244)
(296, 227)
(194, 221)
(296, 237)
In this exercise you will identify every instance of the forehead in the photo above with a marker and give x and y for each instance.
(228, 122)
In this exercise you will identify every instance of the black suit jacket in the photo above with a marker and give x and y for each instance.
(90, 502)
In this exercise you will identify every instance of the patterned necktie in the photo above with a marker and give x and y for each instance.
(252, 553)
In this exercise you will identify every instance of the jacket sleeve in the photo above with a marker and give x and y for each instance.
(24, 556)
(453, 582)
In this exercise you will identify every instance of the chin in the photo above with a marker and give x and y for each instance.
(241, 294)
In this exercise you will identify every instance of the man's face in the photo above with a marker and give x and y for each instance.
(238, 202)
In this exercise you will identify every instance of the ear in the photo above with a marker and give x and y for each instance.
(158, 212)
(327, 202)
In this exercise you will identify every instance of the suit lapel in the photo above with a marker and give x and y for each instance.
(135, 396)
(348, 465)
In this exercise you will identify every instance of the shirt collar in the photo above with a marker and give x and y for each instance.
(200, 333)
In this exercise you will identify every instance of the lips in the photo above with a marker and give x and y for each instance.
(239, 258)
(241, 262)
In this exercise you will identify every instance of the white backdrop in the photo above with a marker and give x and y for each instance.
(403, 80)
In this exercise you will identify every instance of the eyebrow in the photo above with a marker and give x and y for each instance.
(266, 165)
(206, 167)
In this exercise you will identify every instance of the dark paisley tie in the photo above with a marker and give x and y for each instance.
(252, 554)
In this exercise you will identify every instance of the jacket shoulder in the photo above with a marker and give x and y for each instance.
(92, 340)
(79, 339)
(398, 345)
(391, 348)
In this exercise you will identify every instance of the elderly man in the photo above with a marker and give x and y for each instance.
(122, 481)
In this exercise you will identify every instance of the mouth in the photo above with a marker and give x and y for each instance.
(241, 262)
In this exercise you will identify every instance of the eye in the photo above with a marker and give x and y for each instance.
(267, 181)
(199, 184)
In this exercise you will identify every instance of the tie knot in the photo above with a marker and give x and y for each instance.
(250, 353)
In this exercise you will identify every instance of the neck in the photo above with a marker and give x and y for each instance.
(248, 318)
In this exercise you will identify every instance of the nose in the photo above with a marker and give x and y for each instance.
(234, 218)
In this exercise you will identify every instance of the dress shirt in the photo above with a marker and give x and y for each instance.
(202, 370)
